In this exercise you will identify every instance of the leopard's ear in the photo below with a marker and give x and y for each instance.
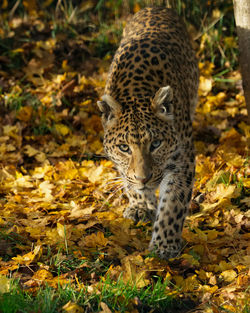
(162, 103)
(109, 108)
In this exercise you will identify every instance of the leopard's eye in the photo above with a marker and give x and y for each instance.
(124, 148)
(155, 144)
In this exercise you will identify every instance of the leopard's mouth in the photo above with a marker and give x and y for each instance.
(151, 185)
(148, 187)
(143, 188)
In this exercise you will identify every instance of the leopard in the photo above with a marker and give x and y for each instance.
(147, 110)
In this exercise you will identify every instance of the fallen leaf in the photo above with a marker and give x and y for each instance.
(105, 308)
(4, 284)
(94, 240)
(27, 258)
(72, 307)
(228, 275)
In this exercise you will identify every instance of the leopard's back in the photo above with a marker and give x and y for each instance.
(155, 51)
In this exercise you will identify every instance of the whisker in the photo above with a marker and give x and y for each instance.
(113, 182)
(119, 188)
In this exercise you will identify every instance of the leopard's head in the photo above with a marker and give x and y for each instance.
(139, 139)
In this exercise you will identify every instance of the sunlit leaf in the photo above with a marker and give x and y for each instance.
(42, 275)
(72, 307)
(62, 129)
(95, 240)
(228, 275)
(4, 284)
(27, 258)
(25, 113)
(105, 308)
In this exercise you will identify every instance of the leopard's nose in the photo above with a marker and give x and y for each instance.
(144, 179)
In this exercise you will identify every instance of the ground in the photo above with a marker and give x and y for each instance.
(61, 225)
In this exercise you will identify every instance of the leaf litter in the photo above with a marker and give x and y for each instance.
(62, 200)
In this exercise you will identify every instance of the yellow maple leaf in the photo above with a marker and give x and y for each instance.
(4, 284)
(191, 260)
(133, 271)
(51, 236)
(72, 307)
(245, 128)
(178, 280)
(95, 240)
(66, 170)
(45, 188)
(189, 284)
(230, 42)
(85, 103)
(23, 181)
(228, 275)
(199, 249)
(105, 308)
(205, 87)
(211, 234)
(136, 7)
(212, 280)
(223, 266)
(40, 157)
(28, 257)
(96, 146)
(229, 308)
(232, 158)
(202, 274)
(206, 68)
(47, 99)
(208, 289)
(65, 66)
(120, 227)
(42, 275)
(30, 151)
(222, 191)
(201, 234)
(231, 138)
(62, 129)
(77, 211)
(40, 172)
(25, 113)
(11, 131)
(204, 169)
(61, 230)
(217, 100)
(106, 216)
(190, 236)
(96, 174)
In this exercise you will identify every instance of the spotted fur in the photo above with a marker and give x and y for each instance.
(147, 113)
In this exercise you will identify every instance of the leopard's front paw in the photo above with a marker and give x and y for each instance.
(165, 251)
(139, 214)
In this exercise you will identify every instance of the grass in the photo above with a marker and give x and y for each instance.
(105, 42)
(118, 296)
(18, 98)
(46, 300)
